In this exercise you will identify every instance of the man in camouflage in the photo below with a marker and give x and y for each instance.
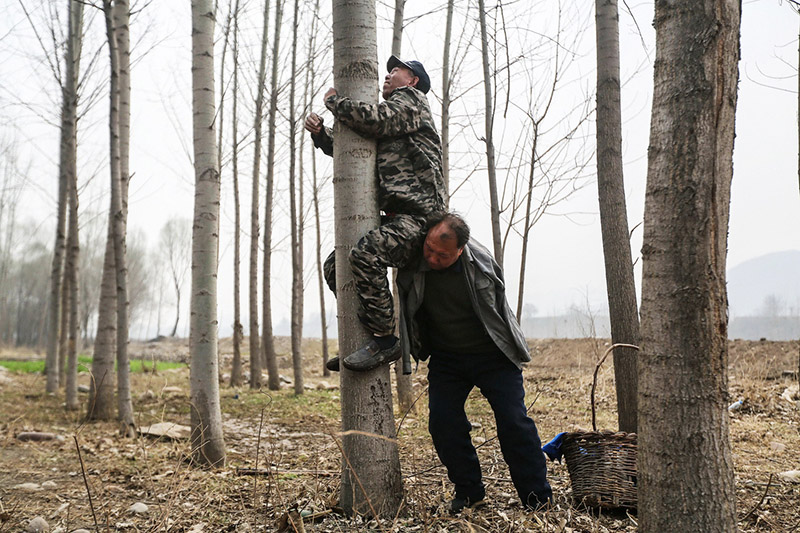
(410, 186)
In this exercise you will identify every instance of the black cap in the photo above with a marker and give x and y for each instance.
(424, 83)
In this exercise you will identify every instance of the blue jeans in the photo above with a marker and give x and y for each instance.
(451, 377)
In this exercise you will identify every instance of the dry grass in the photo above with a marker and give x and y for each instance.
(296, 441)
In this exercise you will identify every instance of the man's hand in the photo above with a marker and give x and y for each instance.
(331, 92)
(313, 123)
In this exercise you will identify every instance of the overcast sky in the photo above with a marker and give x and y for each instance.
(565, 262)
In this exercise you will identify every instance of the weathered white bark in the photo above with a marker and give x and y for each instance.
(101, 390)
(67, 165)
(371, 481)
(208, 446)
(119, 127)
(621, 289)
(685, 468)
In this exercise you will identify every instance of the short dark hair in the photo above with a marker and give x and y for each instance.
(458, 226)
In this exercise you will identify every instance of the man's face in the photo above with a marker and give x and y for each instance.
(440, 253)
(398, 77)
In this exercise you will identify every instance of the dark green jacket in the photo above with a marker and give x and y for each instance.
(487, 293)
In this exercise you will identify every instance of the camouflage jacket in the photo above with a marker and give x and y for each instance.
(409, 151)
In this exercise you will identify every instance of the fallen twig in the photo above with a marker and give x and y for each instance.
(86, 482)
(763, 496)
(272, 471)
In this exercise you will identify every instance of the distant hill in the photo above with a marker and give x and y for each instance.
(774, 276)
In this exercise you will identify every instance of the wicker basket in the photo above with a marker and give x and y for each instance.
(602, 464)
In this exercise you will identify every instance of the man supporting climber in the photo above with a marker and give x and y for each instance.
(410, 187)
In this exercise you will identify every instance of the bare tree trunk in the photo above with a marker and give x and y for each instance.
(296, 224)
(403, 381)
(236, 368)
(620, 285)
(320, 277)
(62, 331)
(208, 445)
(446, 78)
(71, 277)
(686, 478)
(371, 481)
(311, 94)
(56, 277)
(397, 27)
(121, 18)
(116, 24)
(221, 130)
(255, 348)
(69, 102)
(71, 368)
(494, 203)
(270, 359)
(101, 389)
(526, 229)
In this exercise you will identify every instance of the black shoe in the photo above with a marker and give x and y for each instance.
(371, 356)
(459, 504)
(333, 364)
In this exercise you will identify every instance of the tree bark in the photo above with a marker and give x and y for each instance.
(71, 271)
(397, 27)
(526, 230)
(67, 148)
(207, 443)
(311, 77)
(238, 330)
(270, 358)
(255, 347)
(446, 79)
(685, 469)
(72, 277)
(296, 223)
(620, 286)
(119, 128)
(101, 389)
(494, 203)
(371, 481)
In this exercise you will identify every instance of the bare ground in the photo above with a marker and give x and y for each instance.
(295, 438)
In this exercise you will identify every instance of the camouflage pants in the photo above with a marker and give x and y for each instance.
(393, 244)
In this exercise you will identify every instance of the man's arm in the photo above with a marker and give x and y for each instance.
(322, 136)
(398, 115)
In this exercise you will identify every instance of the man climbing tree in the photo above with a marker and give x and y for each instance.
(410, 186)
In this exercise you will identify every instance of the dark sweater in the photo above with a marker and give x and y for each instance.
(451, 322)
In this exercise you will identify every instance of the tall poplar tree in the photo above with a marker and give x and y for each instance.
(295, 219)
(371, 481)
(270, 358)
(488, 139)
(256, 359)
(208, 445)
(685, 469)
(620, 286)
